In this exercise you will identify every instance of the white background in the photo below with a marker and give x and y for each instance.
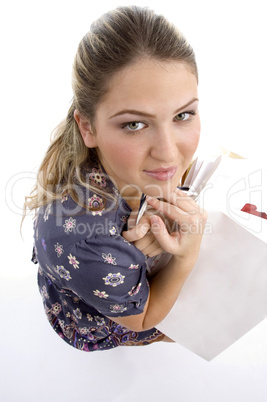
(38, 44)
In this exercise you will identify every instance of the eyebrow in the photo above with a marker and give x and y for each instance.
(140, 113)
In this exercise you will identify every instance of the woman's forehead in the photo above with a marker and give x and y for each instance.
(149, 82)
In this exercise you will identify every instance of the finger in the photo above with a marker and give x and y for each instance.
(152, 249)
(155, 252)
(180, 192)
(148, 243)
(182, 200)
(145, 241)
(177, 207)
(184, 196)
(174, 212)
(137, 232)
(159, 230)
(132, 219)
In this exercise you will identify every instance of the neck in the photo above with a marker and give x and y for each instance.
(132, 197)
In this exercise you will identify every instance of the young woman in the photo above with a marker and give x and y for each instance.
(132, 129)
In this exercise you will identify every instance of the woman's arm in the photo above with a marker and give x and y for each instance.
(183, 244)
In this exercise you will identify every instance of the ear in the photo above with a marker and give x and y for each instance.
(85, 129)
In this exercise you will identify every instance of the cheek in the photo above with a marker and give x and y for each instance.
(190, 143)
(195, 135)
(119, 154)
(195, 140)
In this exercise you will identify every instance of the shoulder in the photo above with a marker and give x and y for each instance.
(68, 219)
(64, 224)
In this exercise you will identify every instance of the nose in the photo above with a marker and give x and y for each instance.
(164, 145)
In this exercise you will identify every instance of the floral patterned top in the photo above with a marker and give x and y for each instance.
(88, 272)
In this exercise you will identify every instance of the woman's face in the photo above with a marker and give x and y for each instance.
(147, 127)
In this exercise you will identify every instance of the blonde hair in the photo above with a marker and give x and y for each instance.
(116, 40)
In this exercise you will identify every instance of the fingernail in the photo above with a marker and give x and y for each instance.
(154, 219)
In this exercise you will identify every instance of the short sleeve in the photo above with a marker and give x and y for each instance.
(109, 274)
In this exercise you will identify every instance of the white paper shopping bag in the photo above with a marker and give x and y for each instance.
(226, 293)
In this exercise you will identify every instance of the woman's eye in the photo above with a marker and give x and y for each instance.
(182, 116)
(185, 115)
(134, 126)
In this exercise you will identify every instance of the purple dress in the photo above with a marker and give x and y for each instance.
(87, 271)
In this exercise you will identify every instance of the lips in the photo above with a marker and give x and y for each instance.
(162, 174)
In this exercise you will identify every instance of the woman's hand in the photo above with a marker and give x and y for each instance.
(141, 235)
(184, 241)
(179, 231)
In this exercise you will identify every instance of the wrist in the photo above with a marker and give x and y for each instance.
(185, 263)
